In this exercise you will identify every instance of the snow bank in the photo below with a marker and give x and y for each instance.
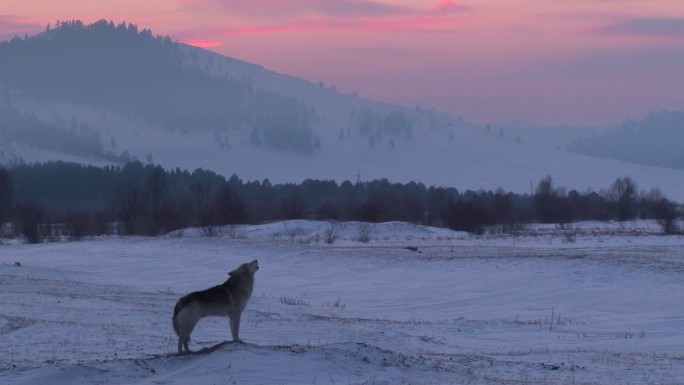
(411, 305)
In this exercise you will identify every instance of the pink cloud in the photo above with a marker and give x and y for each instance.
(295, 16)
(419, 25)
(446, 7)
(12, 25)
(275, 9)
(283, 9)
(360, 8)
(346, 15)
(203, 43)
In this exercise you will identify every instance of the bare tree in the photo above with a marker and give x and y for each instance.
(80, 223)
(330, 234)
(207, 218)
(30, 217)
(545, 200)
(155, 188)
(129, 197)
(228, 208)
(292, 207)
(623, 194)
(5, 194)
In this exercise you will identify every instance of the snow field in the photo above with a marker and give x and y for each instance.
(413, 305)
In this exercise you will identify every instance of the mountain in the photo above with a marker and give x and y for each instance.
(657, 140)
(103, 94)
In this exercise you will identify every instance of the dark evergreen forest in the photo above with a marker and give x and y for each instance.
(148, 200)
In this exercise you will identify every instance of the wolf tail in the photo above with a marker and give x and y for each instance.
(176, 310)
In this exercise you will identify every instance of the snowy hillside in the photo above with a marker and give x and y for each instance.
(411, 305)
(190, 108)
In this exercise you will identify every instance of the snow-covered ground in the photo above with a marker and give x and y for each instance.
(591, 303)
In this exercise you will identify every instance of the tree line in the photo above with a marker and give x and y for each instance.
(26, 129)
(149, 200)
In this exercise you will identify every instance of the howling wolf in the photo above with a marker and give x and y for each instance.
(228, 299)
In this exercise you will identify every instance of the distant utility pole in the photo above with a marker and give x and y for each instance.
(358, 176)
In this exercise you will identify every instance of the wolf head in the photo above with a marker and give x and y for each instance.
(245, 269)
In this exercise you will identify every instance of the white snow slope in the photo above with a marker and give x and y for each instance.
(590, 304)
(442, 150)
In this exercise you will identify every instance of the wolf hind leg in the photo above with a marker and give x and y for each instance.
(183, 347)
(185, 344)
(187, 320)
(180, 346)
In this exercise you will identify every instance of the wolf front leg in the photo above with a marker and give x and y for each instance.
(235, 327)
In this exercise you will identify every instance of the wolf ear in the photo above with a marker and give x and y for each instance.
(233, 273)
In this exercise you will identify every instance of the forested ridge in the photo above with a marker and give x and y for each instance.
(146, 199)
(657, 140)
(122, 69)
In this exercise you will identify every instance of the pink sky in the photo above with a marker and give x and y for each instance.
(544, 61)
